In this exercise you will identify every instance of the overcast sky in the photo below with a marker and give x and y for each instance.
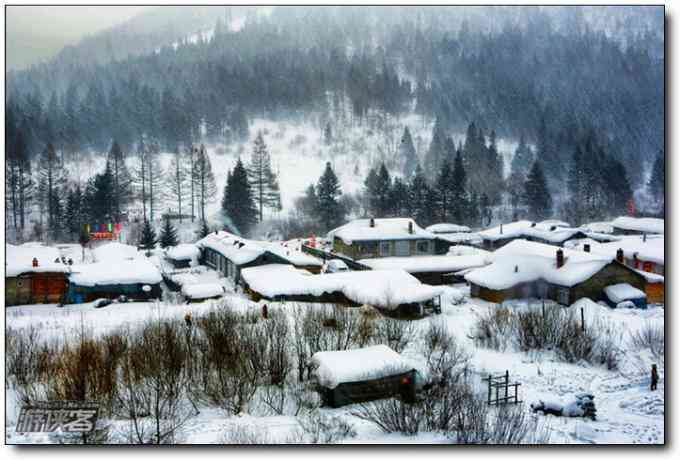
(35, 33)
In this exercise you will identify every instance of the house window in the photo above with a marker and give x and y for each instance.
(542, 290)
(563, 296)
(647, 267)
(474, 290)
(423, 247)
(384, 248)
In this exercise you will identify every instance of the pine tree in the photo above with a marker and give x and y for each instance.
(437, 151)
(657, 180)
(203, 230)
(177, 182)
(147, 240)
(205, 187)
(407, 152)
(399, 198)
(422, 207)
(331, 211)
(74, 212)
(262, 178)
(168, 235)
(536, 194)
(238, 205)
(523, 158)
(382, 191)
(122, 181)
(444, 191)
(459, 195)
(51, 186)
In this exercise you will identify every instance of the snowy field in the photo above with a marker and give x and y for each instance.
(627, 411)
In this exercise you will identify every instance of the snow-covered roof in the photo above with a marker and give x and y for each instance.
(640, 224)
(598, 227)
(115, 251)
(553, 231)
(183, 252)
(651, 277)
(202, 291)
(242, 251)
(424, 264)
(383, 229)
(463, 237)
(333, 368)
(536, 261)
(19, 259)
(337, 264)
(623, 291)
(135, 271)
(651, 250)
(381, 288)
(447, 228)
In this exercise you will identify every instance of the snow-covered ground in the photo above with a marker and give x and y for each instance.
(627, 411)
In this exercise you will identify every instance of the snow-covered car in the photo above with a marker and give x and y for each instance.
(336, 266)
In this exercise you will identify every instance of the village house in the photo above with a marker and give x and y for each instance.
(435, 270)
(626, 225)
(552, 232)
(452, 234)
(34, 274)
(364, 374)
(393, 237)
(133, 279)
(644, 253)
(394, 292)
(230, 254)
(524, 269)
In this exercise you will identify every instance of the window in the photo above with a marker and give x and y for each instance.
(474, 290)
(384, 248)
(563, 296)
(542, 290)
(647, 266)
(423, 247)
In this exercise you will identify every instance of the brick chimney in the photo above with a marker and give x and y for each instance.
(35, 262)
(560, 258)
(619, 255)
(371, 223)
(586, 247)
(410, 227)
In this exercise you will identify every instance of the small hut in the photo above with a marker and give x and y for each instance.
(183, 255)
(364, 374)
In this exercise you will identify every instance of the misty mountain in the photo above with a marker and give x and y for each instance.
(554, 75)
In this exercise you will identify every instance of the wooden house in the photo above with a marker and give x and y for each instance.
(434, 270)
(394, 237)
(644, 254)
(394, 292)
(552, 232)
(626, 225)
(524, 269)
(35, 274)
(230, 254)
(134, 279)
(365, 374)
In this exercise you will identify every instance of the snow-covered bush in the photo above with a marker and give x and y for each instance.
(491, 329)
(649, 337)
(320, 428)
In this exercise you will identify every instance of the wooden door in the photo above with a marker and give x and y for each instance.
(40, 288)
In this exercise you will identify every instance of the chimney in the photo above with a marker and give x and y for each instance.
(560, 258)
(410, 227)
(35, 262)
(371, 223)
(516, 268)
(619, 255)
(533, 224)
(586, 247)
(501, 229)
(553, 227)
(644, 237)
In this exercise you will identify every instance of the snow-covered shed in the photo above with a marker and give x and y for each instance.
(434, 270)
(365, 374)
(229, 254)
(34, 273)
(183, 255)
(624, 292)
(393, 237)
(389, 290)
(136, 279)
(202, 291)
(626, 225)
(523, 269)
